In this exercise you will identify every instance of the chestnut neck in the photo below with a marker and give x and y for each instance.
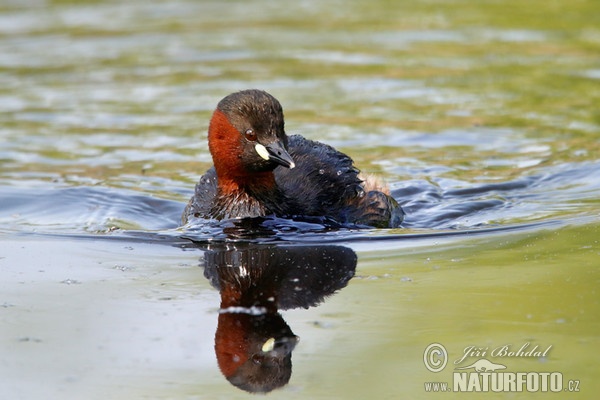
(225, 148)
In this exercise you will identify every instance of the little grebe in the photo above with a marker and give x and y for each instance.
(260, 171)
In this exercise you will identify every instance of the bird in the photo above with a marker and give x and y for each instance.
(260, 171)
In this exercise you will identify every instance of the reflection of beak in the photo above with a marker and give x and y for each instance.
(275, 152)
(283, 345)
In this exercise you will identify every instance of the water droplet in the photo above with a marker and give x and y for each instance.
(321, 171)
(70, 281)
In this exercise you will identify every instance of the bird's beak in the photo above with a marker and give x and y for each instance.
(275, 152)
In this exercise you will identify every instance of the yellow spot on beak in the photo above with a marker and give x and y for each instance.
(262, 151)
(269, 345)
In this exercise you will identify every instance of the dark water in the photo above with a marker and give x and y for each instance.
(481, 117)
(429, 205)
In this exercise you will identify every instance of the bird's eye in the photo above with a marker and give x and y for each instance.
(250, 135)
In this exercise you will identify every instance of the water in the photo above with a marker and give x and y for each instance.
(482, 118)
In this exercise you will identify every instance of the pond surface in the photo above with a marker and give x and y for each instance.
(482, 117)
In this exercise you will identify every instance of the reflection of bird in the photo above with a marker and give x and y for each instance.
(254, 352)
(247, 142)
(253, 343)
